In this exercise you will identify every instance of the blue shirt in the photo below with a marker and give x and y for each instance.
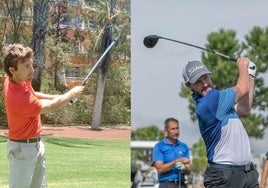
(224, 135)
(166, 152)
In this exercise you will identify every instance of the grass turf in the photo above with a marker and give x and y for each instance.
(80, 163)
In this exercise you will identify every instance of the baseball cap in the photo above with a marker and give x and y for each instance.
(193, 71)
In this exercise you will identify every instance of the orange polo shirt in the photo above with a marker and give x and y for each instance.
(23, 110)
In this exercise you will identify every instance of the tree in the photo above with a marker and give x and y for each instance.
(117, 95)
(105, 16)
(17, 21)
(58, 59)
(225, 42)
(15, 10)
(40, 23)
(151, 132)
(60, 9)
(199, 157)
(106, 41)
(256, 48)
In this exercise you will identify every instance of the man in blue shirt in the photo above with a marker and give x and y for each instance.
(171, 157)
(218, 112)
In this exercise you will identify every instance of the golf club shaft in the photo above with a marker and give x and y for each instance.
(100, 60)
(208, 50)
(96, 64)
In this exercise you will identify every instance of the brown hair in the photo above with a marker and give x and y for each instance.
(14, 54)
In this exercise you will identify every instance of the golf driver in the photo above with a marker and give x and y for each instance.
(97, 63)
(151, 40)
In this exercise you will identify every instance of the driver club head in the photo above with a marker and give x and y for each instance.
(150, 41)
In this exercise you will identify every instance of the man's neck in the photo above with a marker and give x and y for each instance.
(172, 141)
(15, 81)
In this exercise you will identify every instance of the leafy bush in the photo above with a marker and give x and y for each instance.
(116, 104)
(77, 113)
(3, 117)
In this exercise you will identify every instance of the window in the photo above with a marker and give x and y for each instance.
(72, 22)
(73, 72)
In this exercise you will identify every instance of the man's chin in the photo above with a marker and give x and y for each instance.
(204, 92)
(29, 80)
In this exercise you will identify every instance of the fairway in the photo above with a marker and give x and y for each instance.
(80, 163)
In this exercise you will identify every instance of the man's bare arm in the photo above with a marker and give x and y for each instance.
(165, 167)
(40, 95)
(61, 100)
(243, 106)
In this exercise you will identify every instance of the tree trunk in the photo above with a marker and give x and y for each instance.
(40, 23)
(60, 83)
(96, 119)
(106, 40)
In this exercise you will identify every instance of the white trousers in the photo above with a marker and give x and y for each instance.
(27, 165)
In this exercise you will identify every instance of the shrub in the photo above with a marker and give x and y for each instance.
(3, 117)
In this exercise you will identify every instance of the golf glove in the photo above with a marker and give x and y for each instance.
(180, 166)
(252, 68)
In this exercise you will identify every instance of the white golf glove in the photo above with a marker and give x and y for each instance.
(180, 166)
(252, 68)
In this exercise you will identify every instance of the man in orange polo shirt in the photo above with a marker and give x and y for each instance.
(26, 151)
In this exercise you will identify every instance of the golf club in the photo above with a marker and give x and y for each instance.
(151, 40)
(100, 60)
(96, 64)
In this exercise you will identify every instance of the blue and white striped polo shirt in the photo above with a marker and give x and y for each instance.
(224, 135)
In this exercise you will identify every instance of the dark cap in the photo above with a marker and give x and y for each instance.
(193, 71)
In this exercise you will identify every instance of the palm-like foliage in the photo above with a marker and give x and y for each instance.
(108, 18)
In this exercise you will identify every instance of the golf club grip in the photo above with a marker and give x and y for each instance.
(232, 59)
(225, 56)
(75, 99)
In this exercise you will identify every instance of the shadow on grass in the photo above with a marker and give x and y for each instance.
(3, 138)
(64, 141)
(72, 142)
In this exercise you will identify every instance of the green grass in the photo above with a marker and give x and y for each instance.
(80, 163)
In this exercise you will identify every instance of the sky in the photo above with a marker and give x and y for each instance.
(156, 73)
